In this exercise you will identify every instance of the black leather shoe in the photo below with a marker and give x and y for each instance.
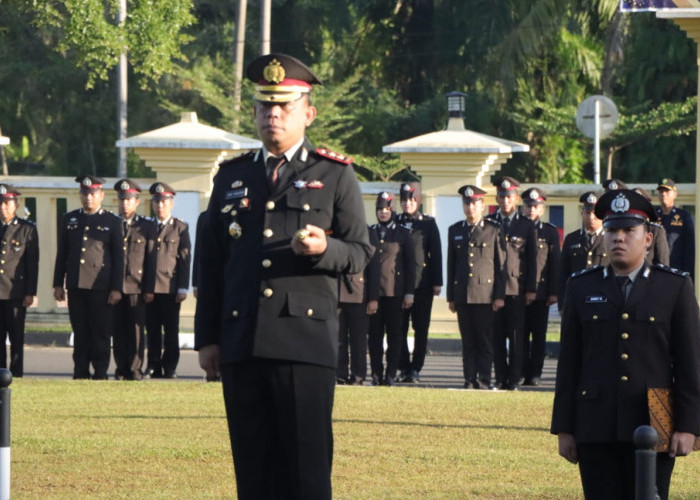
(389, 381)
(414, 376)
(170, 375)
(375, 380)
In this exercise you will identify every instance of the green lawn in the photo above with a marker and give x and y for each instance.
(81, 439)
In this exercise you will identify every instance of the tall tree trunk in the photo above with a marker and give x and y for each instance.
(238, 61)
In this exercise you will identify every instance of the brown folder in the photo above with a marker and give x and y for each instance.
(661, 416)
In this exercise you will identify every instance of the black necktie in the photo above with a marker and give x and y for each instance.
(591, 239)
(273, 165)
(506, 225)
(623, 282)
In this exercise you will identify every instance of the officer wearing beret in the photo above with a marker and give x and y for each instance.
(658, 252)
(626, 328)
(680, 230)
(476, 284)
(282, 224)
(140, 235)
(521, 287)
(19, 271)
(548, 262)
(172, 279)
(90, 265)
(428, 250)
(584, 247)
(397, 267)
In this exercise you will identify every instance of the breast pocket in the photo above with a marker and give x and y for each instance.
(308, 206)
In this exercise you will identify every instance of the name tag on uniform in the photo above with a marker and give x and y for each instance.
(577, 245)
(458, 236)
(236, 193)
(596, 299)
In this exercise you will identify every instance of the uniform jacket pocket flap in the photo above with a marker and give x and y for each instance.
(310, 305)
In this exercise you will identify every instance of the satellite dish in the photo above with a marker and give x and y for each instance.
(607, 116)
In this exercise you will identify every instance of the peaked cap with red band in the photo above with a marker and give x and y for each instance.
(89, 183)
(470, 192)
(624, 208)
(8, 192)
(126, 188)
(280, 78)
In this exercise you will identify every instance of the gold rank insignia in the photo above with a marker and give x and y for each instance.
(226, 209)
(235, 230)
(274, 72)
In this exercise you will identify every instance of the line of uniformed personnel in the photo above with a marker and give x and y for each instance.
(504, 271)
(117, 273)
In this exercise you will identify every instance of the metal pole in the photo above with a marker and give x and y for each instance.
(239, 51)
(596, 144)
(5, 381)
(265, 17)
(645, 438)
(122, 87)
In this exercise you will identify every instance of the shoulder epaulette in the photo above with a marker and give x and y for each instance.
(671, 270)
(25, 221)
(550, 225)
(588, 270)
(232, 161)
(492, 221)
(655, 224)
(331, 155)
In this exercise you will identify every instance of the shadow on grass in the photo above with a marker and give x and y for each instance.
(441, 426)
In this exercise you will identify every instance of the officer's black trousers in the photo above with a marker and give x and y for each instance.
(508, 326)
(354, 327)
(419, 316)
(130, 318)
(12, 315)
(163, 331)
(279, 419)
(388, 318)
(607, 471)
(476, 329)
(535, 338)
(92, 319)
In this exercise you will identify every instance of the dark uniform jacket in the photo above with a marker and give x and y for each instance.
(658, 252)
(577, 254)
(360, 288)
(680, 233)
(173, 257)
(476, 263)
(19, 259)
(90, 253)
(612, 351)
(521, 254)
(548, 260)
(256, 297)
(427, 247)
(140, 256)
(397, 259)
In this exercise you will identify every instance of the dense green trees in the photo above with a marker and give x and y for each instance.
(525, 67)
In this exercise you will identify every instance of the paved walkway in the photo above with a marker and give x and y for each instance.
(441, 370)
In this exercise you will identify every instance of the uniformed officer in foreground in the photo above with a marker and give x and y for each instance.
(548, 262)
(140, 235)
(172, 279)
(680, 230)
(476, 284)
(627, 328)
(521, 288)
(277, 239)
(584, 247)
(90, 265)
(19, 271)
(428, 251)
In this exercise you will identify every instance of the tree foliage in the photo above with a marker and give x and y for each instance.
(525, 66)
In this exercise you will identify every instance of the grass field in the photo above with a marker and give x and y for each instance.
(75, 439)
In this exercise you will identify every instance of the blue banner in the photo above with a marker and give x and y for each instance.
(650, 5)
